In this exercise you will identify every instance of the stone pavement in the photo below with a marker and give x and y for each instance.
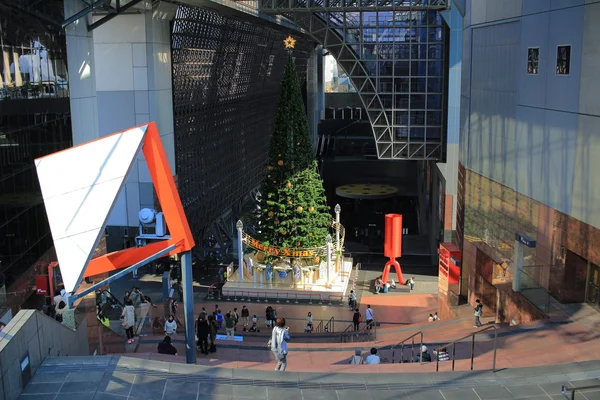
(572, 339)
(124, 378)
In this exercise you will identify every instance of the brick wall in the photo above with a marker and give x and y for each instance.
(491, 213)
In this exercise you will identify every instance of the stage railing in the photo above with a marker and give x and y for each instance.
(265, 296)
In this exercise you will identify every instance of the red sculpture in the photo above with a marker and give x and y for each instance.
(393, 246)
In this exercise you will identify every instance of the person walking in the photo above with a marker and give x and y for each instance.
(309, 323)
(229, 325)
(202, 331)
(356, 319)
(369, 316)
(352, 300)
(136, 297)
(273, 317)
(128, 317)
(268, 313)
(236, 318)
(245, 316)
(478, 310)
(212, 326)
(278, 343)
(170, 326)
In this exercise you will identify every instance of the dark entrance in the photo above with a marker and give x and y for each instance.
(593, 286)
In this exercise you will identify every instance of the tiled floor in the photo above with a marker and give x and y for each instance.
(127, 378)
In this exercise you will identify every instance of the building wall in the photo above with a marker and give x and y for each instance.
(36, 336)
(527, 143)
(227, 77)
(121, 74)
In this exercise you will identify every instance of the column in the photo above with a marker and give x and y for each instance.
(188, 307)
(120, 77)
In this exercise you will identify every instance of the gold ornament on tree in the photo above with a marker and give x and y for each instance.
(276, 222)
(311, 209)
(289, 184)
(299, 209)
(284, 232)
(309, 233)
(270, 214)
(270, 168)
(280, 163)
(298, 244)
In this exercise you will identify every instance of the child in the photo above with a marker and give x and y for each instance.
(254, 327)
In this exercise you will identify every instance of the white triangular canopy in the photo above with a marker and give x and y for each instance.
(80, 186)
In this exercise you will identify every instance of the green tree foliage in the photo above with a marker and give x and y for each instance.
(294, 211)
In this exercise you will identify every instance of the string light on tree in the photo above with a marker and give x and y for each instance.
(292, 180)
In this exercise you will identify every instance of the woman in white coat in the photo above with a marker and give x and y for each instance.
(278, 343)
(128, 320)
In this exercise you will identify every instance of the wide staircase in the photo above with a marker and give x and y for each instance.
(531, 361)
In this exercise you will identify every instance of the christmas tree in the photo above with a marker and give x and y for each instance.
(293, 210)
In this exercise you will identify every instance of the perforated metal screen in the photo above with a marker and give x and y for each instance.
(226, 80)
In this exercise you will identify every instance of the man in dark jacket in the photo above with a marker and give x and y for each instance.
(203, 330)
(165, 347)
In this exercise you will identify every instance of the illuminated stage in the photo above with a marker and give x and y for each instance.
(311, 284)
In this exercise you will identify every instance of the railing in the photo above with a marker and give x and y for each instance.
(112, 297)
(210, 294)
(472, 336)
(412, 357)
(248, 295)
(319, 327)
(366, 334)
(328, 326)
(564, 389)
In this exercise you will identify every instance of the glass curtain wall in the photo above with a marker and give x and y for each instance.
(402, 53)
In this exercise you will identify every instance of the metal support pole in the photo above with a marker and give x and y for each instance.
(453, 355)
(472, 351)
(261, 278)
(338, 245)
(188, 306)
(240, 226)
(328, 241)
(494, 362)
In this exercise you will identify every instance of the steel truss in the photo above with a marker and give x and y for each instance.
(226, 80)
(286, 6)
(395, 59)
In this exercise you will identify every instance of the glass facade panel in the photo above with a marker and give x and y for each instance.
(402, 51)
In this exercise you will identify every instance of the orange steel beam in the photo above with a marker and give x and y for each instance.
(168, 198)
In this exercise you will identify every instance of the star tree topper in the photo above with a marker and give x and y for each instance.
(289, 42)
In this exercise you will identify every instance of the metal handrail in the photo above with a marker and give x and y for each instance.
(472, 336)
(319, 327)
(366, 331)
(112, 296)
(564, 389)
(412, 337)
(330, 325)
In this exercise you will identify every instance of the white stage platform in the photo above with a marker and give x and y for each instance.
(257, 287)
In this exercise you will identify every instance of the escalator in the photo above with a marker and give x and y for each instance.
(112, 308)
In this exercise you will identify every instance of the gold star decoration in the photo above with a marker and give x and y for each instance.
(289, 42)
